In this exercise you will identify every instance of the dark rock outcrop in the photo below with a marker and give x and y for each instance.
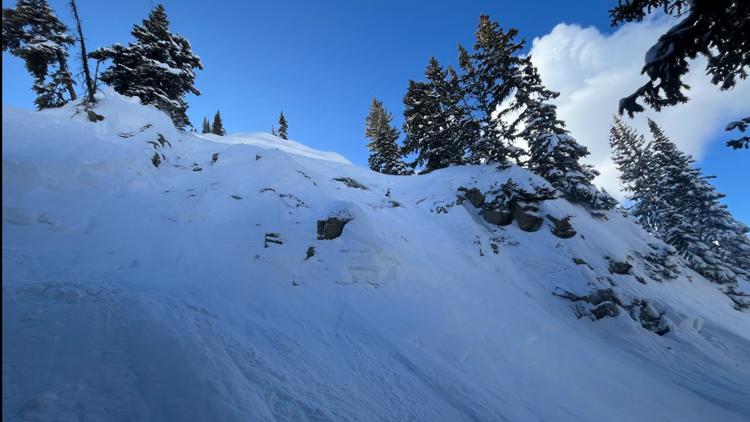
(605, 309)
(526, 215)
(498, 217)
(348, 181)
(474, 196)
(93, 117)
(561, 227)
(331, 228)
(602, 303)
(619, 267)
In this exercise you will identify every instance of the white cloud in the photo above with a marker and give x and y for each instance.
(592, 71)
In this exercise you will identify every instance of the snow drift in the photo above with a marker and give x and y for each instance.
(199, 289)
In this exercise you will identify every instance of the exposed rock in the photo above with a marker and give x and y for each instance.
(474, 196)
(601, 303)
(93, 117)
(561, 227)
(601, 295)
(214, 158)
(650, 318)
(498, 217)
(236, 197)
(156, 159)
(619, 267)
(272, 238)
(310, 252)
(526, 215)
(605, 309)
(579, 261)
(331, 228)
(348, 181)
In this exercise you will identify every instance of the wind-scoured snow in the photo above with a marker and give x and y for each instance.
(132, 292)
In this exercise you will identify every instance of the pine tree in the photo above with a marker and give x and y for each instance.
(206, 126)
(32, 32)
(437, 122)
(384, 152)
(457, 123)
(674, 201)
(716, 29)
(492, 76)
(273, 130)
(283, 127)
(217, 128)
(744, 140)
(419, 106)
(158, 67)
(631, 154)
(687, 211)
(556, 156)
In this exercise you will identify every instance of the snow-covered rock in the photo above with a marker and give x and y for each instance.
(136, 292)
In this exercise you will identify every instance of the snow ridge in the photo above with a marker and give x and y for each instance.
(135, 292)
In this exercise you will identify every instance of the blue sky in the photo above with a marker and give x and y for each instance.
(321, 62)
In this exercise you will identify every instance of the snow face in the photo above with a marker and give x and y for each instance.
(132, 292)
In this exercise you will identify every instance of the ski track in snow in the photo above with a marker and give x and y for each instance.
(139, 293)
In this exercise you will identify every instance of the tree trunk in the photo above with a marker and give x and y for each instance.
(90, 88)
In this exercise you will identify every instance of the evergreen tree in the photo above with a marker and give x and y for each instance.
(158, 67)
(32, 32)
(716, 29)
(217, 128)
(688, 214)
(457, 123)
(556, 156)
(497, 87)
(631, 154)
(273, 130)
(719, 30)
(436, 120)
(675, 202)
(283, 127)
(206, 126)
(744, 140)
(419, 106)
(384, 152)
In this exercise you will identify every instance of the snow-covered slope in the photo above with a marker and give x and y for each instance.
(186, 291)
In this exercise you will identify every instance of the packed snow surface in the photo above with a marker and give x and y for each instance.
(135, 292)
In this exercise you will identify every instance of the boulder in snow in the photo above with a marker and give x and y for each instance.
(561, 227)
(526, 215)
(348, 181)
(331, 228)
(474, 196)
(498, 217)
(605, 309)
(619, 267)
